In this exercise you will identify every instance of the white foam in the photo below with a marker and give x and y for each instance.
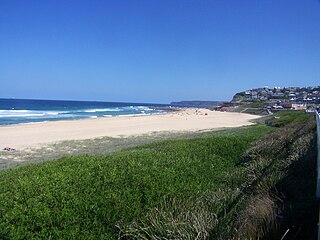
(23, 115)
(42, 115)
(103, 110)
(30, 123)
(133, 115)
(144, 108)
(139, 108)
(27, 113)
(14, 111)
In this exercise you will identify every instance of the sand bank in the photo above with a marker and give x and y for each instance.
(34, 135)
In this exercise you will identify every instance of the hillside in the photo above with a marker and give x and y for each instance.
(294, 94)
(221, 185)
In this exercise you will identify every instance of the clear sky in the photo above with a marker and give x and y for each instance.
(156, 50)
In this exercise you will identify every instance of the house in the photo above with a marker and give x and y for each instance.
(287, 105)
(278, 94)
(263, 93)
(277, 107)
(299, 106)
(254, 94)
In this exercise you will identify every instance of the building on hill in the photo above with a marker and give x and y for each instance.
(299, 106)
(296, 94)
(287, 104)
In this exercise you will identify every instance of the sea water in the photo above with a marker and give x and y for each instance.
(16, 111)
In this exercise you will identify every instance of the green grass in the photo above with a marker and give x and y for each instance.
(92, 197)
(219, 184)
(281, 179)
(256, 104)
(283, 118)
(255, 108)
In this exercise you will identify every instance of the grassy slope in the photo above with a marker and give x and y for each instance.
(281, 180)
(87, 196)
(283, 118)
(208, 186)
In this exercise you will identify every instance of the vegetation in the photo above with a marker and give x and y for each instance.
(281, 179)
(283, 118)
(88, 196)
(254, 107)
(256, 104)
(224, 185)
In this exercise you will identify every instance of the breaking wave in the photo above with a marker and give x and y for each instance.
(14, 116)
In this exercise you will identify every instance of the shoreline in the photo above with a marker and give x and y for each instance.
(87, 118)
(21, 136)
(92, 118)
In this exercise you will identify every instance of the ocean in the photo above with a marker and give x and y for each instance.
(17, 111)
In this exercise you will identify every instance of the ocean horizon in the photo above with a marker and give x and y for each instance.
(24, 111)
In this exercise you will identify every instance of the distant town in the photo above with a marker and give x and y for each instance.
(276, 98)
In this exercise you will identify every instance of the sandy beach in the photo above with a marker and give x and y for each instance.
(34, 135)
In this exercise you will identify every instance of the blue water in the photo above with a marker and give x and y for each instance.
(15, 111)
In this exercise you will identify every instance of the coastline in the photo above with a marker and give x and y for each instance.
(23, 136)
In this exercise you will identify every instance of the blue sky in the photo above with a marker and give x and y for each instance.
(156, 51)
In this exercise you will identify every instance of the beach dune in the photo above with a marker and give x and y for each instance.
(38, 134)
